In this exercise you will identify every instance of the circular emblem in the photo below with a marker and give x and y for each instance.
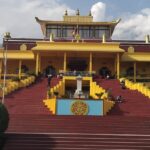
(130, 49)
(23, 47)
(79, 108)
(77, 37)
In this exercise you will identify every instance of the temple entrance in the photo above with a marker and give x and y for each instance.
(77, 64)
(24, 69)
(104, 71)
(130, 71)
(49, 70)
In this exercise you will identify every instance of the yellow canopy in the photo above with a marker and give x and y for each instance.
(74, 46)
(143, 57)
(18, 55)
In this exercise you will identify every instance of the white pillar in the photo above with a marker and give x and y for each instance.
(79, 83)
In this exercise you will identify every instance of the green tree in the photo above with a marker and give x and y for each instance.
(4, 118)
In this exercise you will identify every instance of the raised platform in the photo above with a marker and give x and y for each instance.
(79, 107)
(75, 107)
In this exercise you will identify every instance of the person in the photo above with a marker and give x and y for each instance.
(107, 76)
(74, 73)
(60, 76)
(49, 77)
(119, 99)
(122, 83)
(109, 92)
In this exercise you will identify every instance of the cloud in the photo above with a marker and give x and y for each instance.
(98, 11)
(133, 26)
(17, 17)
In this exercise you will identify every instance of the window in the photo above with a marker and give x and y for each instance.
(59, 31)
(85, 31)
(51, 29)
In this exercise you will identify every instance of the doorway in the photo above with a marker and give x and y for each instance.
(49, 70)
(104, 71)
(77, 64)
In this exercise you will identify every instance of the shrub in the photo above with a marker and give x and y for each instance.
(4, 118)
(15, 79)
(56, 93)
(31, 73)
(1, 86)
(90, 97)
(65, 96)
(49, 94)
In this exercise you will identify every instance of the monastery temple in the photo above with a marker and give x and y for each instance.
(68, 84)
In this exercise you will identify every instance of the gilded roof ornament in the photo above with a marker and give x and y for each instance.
(78, 12)
(90, 14)
(147, 39)
(130, 49)
(66, 13)
(104, 38)
(23, 47)
(7, 35)
(51, 39)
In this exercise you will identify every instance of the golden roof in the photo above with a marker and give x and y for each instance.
(23, 55)
(76, 47)
(80, 20)
(77, 20)
(141, 57)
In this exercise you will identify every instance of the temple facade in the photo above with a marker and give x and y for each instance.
(77, 44)
(75, 69)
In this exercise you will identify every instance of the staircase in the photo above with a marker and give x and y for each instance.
(33, 128)
(135, 104)
(44, 132)
(29, 100)
(54, 81)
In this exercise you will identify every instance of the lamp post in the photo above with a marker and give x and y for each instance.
(6, 37)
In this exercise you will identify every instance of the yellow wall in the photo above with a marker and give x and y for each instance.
(56, 62)
(12, 66)
(141, 67)
(30, 64)
(56, 59)
(124, 66)
(103, 62)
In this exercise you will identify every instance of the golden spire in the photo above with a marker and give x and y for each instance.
(104, 38)
(7, 35)
(90, 14)
(147, 39)
(66, 13)
(51, 39)
(78, 12)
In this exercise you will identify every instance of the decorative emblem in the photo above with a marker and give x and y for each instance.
(130, 49)
(77, 37)
(79, 108)
(23, 47)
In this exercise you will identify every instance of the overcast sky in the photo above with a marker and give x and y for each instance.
(18, 16)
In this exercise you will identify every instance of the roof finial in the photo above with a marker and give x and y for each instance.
(7, 35)
(90, 14)
(104, 38)
(66, 13)
(51, 39)
(147, 39)
(78, 12)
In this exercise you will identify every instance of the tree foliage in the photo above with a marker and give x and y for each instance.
(4, 118)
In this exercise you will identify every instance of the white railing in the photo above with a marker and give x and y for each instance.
(77, 73)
